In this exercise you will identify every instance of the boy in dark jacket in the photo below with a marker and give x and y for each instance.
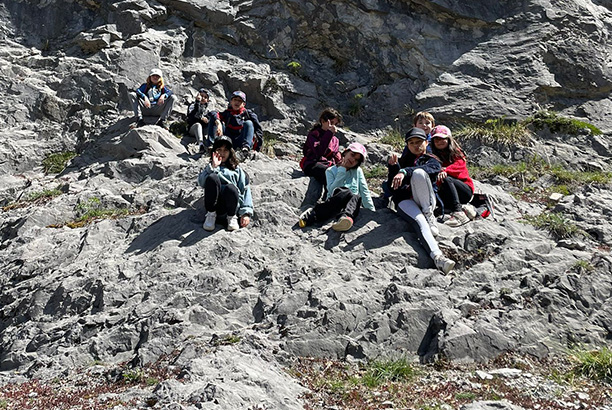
(241, 125)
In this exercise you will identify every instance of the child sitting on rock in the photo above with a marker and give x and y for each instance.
(321, 149)
(454, 182)
(200, 119)
(153, 98)
(347, 190)
(424, 121)
(410, 179)
(241, 125)
(227, 192)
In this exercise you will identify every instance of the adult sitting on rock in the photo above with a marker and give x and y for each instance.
(152, 99)
(199, 118)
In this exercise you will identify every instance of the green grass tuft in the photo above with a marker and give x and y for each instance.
(556, 224)
(594, 364)
(56, 163)
(495, 131)
(395, 139)
(381, 371)
(355, 107)
(560, 125)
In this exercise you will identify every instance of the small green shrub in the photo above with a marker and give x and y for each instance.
(3, 404)
(179, 128)
(227, 340)
(555, 223)
(46, 194)
(294, 67)
(465, 396)
(381, 371)
(91, 211)
(269, 142)
(496, 131)
(583, 266)
(377, 171)
(56, 163)
(395, 139)
(560, 125)
(355, 107)
(134, 376)
(594, 364)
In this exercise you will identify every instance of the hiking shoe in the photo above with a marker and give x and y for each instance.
(444, 264)
(470, 211)
(307, 218)
(162, 123)
(343, 224)
(232, 223)
(209, 223)
(243, 154)
(433, 225)
(457, 218)
(139, 123)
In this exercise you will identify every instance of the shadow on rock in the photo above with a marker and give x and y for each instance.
(171, 227)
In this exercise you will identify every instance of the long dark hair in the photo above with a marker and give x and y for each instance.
(451, 153)
(232, 161)
(326, 115)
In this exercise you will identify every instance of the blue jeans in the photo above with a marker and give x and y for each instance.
(245, 139)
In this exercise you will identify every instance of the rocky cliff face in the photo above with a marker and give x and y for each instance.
(150, 282)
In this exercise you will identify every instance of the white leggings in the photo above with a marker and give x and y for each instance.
(423, 202)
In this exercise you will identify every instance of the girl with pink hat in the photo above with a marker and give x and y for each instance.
(347, 191)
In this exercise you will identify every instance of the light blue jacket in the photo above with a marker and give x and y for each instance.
(236, 177)
(353, 179)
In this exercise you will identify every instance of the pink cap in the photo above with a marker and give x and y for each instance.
(358, 148)
(440, 131)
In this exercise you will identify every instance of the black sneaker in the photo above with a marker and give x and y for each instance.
(307, 218)
(202, 149)
(162, 123)
(243, 154)
(140, 123)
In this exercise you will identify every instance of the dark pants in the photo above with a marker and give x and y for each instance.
(317, 171)
(342, 203)
(220, 198)
(454, 193)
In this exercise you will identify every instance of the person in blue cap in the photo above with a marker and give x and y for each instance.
(241, 125)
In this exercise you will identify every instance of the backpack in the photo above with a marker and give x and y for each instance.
(483, 203)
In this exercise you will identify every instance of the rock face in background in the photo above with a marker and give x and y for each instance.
(139, 287)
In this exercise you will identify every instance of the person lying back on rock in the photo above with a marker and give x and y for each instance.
(227, 192)
(199, 118)
(347, 190)
(241, 125)
(321, 149)
(455, 186)
(410, 180)
(152, 99)
(425, 121)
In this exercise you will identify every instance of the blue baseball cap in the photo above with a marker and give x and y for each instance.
(239, 94)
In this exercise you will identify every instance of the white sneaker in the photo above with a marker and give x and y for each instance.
(431, 220)
(457, 219)
(232, 223)
(470, 211)
(209, 223)
(444, 264)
